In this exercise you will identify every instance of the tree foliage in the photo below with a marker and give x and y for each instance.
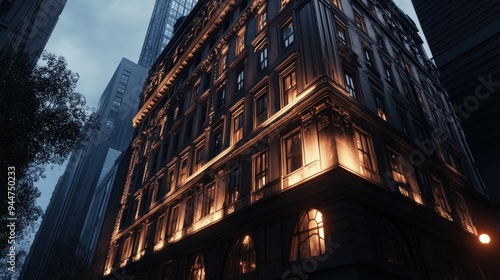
(42, 120)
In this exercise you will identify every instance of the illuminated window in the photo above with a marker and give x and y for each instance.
(173, 226)
(208, 200)
(359, 21)
(126, 249)
(141, 240)
(111, 259)
(440, 200)
(464, 214)
(397, 166)
(261, 19)
(289, 84)
(364, 147)
(240, 42)
(262, 58)
(287, 34)
(199, 157)
(198, 269)
(233, 186)
(240, 79)
(261, 170)
(223, 61)
(261, 108)
(350, 84)
(242, 258)
(184, 169)
(309, 237)
(293, 152)
(160, 228)
(379, 102)
(170, 179)
(237, 128)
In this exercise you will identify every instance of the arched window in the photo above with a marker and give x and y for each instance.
(309, 237)
(198, 269)
(242, 258)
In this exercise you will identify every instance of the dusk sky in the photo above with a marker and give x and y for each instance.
(93, 36)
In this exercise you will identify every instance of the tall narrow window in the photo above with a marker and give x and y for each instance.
(126, 249)
(289, 83)
(221, 97)
(380, 41)
(173, 226)
(160, 228)
(200, 157)
(379, 102)
(208, 200)
(237, 128)
(190, 210)
(240, 42)
(391, 244)
(223, 61)
(261, 19)
(368, 57)
(198, 269)
(184, 170)
(397, 167)
(440, 200)
(170, 180)
(263, 58)
(359, 21)
(261, 109)
(217, 141)
(464, 214)
(293, 152)
(240, 79)
(350, 84)
(233, 186)
(241, 258)
(403, 120)
(287, 34)
(342, 34)
(309, 237)
(365, 158)
(261, 170)
(388, 73)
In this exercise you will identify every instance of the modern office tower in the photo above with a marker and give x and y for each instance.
(25, 26)
(161, 28)
(305, 139)
(464, 38)
(65, 216)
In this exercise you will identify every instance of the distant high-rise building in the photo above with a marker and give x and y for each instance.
(161, 28)
(67, 211)
(25, 26)
(304, 139)
(464, 37)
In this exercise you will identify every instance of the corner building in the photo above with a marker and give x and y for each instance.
(299, 140)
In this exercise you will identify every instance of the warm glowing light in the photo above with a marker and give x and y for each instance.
(484, 238)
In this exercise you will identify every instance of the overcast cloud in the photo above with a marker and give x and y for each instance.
(93, 36)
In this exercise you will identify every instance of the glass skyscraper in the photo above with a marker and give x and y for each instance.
(161, 28)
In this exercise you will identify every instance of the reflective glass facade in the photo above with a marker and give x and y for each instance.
(161, 28)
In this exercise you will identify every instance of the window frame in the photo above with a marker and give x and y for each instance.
(287, 32)
(297, 154)
(260, 170)
(257, 114)
(291, 73)
(237, 125)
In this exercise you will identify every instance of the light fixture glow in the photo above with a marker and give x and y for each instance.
(484, 238)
